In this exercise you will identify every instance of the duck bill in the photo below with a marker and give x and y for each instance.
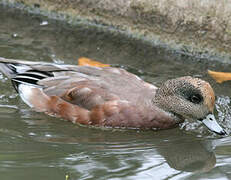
(211, 123)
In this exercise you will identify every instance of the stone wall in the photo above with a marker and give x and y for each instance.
(200, 28)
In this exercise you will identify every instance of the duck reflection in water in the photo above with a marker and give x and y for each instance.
(181, 151)
(188, 155)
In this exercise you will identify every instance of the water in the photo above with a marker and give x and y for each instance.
(36, 146)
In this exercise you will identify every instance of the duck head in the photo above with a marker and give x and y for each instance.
(189, 98)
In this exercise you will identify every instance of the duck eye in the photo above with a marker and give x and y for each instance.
(196, 99)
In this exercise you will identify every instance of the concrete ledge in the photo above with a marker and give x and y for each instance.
(198, 28)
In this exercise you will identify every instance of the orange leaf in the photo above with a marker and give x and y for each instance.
(220, 76)
(83, 61)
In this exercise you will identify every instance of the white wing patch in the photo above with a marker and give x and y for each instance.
(26, 93)
(20, 68)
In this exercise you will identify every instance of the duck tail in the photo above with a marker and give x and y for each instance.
(12, 67)
(22, 72)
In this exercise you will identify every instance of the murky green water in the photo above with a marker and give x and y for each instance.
(36, 146)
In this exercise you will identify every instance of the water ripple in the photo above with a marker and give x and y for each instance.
(224, 112)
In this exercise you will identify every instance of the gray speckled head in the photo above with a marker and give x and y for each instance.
(186, 97)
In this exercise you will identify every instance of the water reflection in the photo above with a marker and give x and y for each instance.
(189, 156)
(123, 152)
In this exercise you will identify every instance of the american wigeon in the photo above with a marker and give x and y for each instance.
(107, 96)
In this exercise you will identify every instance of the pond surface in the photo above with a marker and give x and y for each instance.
(36, 146)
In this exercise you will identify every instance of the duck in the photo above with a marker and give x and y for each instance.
(109, 96)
